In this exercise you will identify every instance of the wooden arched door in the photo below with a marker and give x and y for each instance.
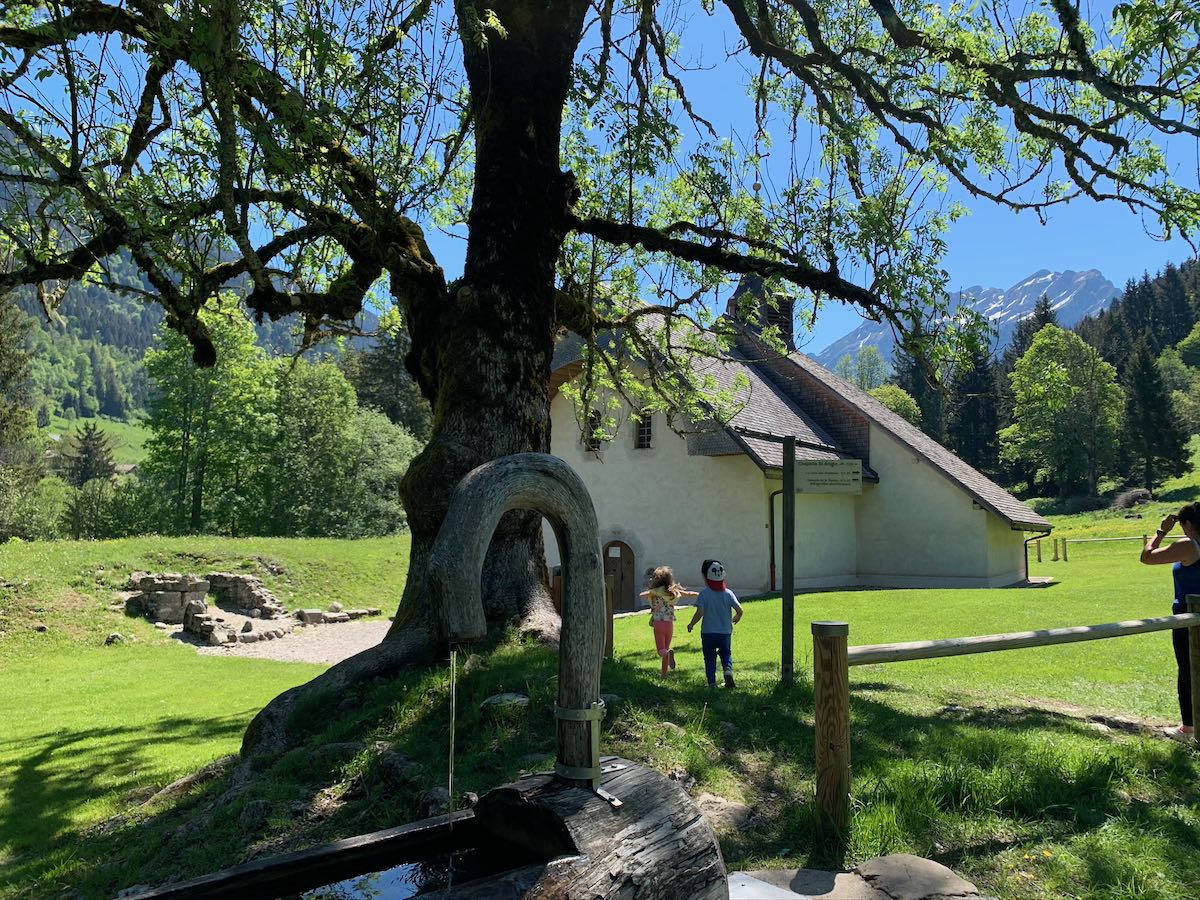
(618, 564)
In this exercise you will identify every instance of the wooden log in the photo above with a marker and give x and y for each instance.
(1193, 607)
(987, 643)
(831, 713)
(1064, 549)
(656, 844)
(1054, 558)
(545, 484)
(541, 836)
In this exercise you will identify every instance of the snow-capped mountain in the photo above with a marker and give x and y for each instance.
(1073, 294)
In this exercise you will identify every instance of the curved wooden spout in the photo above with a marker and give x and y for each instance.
(547, 485)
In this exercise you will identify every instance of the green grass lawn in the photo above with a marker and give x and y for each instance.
(89, 726)
(89, 731)
(987, 763)
(127, 439)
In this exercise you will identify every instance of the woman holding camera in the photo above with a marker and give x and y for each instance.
(1184, 557)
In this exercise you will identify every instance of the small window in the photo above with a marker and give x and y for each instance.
(590, 441)
(645, 431)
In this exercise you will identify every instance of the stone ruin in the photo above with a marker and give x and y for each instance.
(334, 614)
(176, 599)
(246, 592)
(165, 596)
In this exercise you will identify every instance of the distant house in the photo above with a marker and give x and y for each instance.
(125, 468)
(923, 518)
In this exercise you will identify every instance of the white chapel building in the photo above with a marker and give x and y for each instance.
(922, 518)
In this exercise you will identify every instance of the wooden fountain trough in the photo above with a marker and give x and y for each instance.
(594, 827)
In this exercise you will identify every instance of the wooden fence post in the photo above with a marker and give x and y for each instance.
(1193, 606)
(831, 714)
(610, 590)
(1054, 558)
(788, 600)
(1064, 549)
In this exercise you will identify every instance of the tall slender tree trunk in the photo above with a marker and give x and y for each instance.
(196, 518)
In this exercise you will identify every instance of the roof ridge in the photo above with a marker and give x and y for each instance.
(910, 435)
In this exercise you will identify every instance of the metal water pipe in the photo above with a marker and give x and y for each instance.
(546, 485)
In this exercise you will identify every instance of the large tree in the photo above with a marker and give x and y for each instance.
(297, 151)
(15, 416)
(1066, 412)
(19, 465)
(209, 426)
(86, 456)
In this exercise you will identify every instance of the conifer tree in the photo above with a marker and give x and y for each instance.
(382, 382)
(912, 374)
(1043, 314)
(974, 419)
(1152, 438)
(1174, 313)
(88, 456)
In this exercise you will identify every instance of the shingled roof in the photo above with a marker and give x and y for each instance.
(763, 408)
(767, 410)
(985, 492)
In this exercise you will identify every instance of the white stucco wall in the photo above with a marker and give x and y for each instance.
(1006, 552)
(826, 539)
(916, 528)
(670, 508)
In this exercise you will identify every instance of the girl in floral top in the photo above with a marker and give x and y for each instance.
(664, 593)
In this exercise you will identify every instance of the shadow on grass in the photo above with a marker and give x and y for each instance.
(44, 789)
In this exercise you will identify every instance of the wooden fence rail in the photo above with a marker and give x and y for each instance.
(832, 659)
(1133, 537)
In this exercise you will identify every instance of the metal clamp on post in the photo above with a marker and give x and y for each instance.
(592, 715)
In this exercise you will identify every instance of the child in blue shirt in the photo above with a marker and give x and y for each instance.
(718, 607)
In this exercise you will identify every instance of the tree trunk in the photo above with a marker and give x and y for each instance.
(481, 353)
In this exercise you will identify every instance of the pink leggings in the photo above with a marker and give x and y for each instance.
(663, 632)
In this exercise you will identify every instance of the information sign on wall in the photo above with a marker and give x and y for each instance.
(829, 476)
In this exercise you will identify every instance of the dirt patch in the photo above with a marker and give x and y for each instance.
(310, 643)
(1013, 716)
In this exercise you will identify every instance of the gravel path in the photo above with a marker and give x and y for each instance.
(312, 643)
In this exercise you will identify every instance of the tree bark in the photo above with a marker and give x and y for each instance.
(482, 355)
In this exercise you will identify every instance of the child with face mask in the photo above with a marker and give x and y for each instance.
(718, 608)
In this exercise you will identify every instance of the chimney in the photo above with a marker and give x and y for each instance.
(776, 311)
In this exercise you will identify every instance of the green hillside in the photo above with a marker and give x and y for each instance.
(126, 439)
